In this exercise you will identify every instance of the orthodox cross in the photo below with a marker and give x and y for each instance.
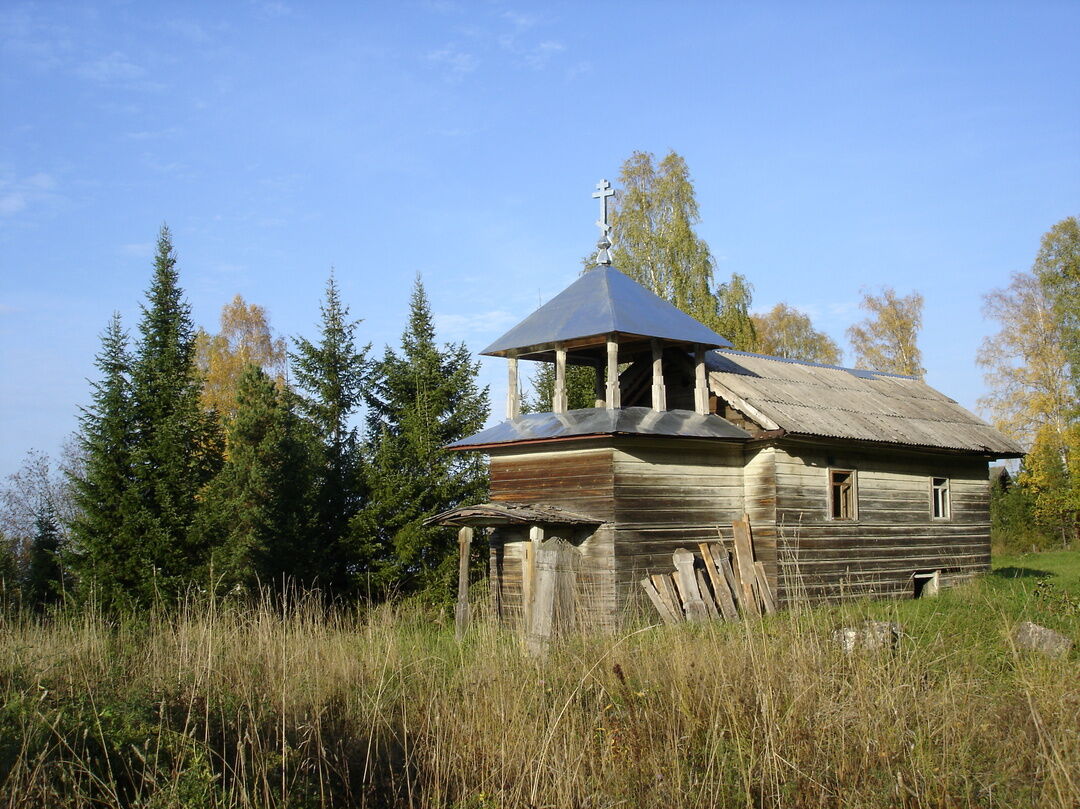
(602, 193)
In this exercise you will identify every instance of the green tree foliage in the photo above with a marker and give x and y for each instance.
(580, 388)
(733, 319)
(44, 582)
(1050, 474)
(784, 331)
(331, 373)
(418, 401)
(257, 510)
(1013, 526)
(654, 239)
(1057, 267)
(108, 560)
(887, 340)
(177, 446)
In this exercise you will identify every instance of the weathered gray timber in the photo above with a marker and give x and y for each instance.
(854, 483)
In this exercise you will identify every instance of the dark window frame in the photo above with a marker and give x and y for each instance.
(842, 495)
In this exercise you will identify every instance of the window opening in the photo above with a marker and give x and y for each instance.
(939, 498)
(841, 495)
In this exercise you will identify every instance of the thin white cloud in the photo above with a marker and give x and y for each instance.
(457, 63)
(488, 325)
(19, 193)
(110, 69)
(137, 249)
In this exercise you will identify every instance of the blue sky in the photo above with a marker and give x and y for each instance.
(833, 146)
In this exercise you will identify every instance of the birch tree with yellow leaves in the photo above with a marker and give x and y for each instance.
(887, 340)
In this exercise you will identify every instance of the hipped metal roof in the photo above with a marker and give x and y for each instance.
(603, 301)
(600, 421)
(805, 398)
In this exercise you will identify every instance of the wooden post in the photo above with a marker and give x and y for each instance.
(558, 399)
(659, 394)
(599, 383)
(528, 578)
(614, 397)
(513, 393)
(461, 610)
(701, 385)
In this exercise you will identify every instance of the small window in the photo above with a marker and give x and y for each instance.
(841, 494)
(939, 498)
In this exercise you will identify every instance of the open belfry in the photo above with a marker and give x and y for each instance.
(853, 482)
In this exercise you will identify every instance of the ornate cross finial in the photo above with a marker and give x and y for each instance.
(603, 192)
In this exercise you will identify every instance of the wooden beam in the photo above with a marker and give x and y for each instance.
(613, 399)
(692, 601)
(659, 394)
(558, 399)
(719, 583)
(665, 611)
(528, 578)
(513, 391)
(599, 383)
(461, 610)
(744, 560)
(701, 387)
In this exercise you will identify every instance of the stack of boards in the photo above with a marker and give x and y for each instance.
(715, 585)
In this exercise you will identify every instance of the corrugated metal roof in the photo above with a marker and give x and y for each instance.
(511, 514)
(604, 301)
(600, 421)
(810, 399)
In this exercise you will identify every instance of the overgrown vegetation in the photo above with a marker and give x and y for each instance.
(224, 704)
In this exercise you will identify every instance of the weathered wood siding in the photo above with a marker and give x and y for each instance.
(894, 534)
(578, 479)
(670, 495)
(759, 494)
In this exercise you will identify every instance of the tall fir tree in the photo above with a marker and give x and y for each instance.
(257, 511)
(107, 560)
(418, 401)
(177, 447)
(44, 582)
(331, 373)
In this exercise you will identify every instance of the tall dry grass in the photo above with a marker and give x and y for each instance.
(269, 705)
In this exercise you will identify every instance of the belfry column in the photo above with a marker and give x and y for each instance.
(558, 399)
(513, 392)
(614, 395)
(659, 393)
(701, 385)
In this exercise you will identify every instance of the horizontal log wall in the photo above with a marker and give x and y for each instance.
(894, 534)
(579, 480)
(670, 495)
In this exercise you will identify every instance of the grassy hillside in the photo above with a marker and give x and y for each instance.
(226, 705)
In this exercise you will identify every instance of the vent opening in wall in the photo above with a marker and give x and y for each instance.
(925, 583)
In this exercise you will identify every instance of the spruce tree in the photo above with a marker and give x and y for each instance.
(418, 400)
(331, 374)
(107, 560)
(44, 584)
(258, 509)
(177, 447)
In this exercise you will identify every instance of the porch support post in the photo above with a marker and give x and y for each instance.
(659, 393)
(528, 583)
(461, 610)
(701, 385)
(513, 392)
(614, 398)
(558, 400)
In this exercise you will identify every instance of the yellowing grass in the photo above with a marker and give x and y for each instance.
(267, 706)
